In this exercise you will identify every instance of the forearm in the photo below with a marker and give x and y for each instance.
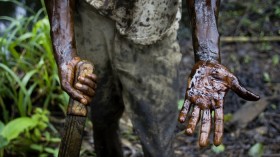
(60, 14)
(204, 19)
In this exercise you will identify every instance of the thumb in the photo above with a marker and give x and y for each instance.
(242, 91)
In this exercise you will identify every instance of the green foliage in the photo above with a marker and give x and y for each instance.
(15, 127)
(275, 59)
(180, 104)
(247, 59)
(219, 149)
(256, 150)
(29, 88)
(27, 68)
(228, 117)
(273, 106)
(26, 134)
(266, 77)
(250, 18)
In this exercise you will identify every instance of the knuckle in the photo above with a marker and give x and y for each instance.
(65, 85)
(203, 132)
(184, 111)
(219, 121)
(218, 133)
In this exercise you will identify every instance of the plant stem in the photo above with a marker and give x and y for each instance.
(250, 39)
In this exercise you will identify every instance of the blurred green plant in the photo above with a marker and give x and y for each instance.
(266, 77)
(218, 149)
(28, 73)
(29, 88)
(275, 59)
(247, 59)
(25, 134)
(180, 104)
(228, 117)
(256, 150)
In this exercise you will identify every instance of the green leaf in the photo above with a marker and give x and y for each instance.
(2, 125)
(55, 140)
(50, 150)
(3, 142)
(180, 104)
(256, 150)
(53, 151)
(218, 149)
(47, 136)
(274, 107)
(275, 59)
(17, 126)
(43, 155)
(37, 147)
(266, 77)
(25, 36)
(228, 117)
(37, 133)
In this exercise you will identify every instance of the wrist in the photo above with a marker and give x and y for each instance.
(207, 50)
(67, 66)
(208, 59)
(69, 61)
(208, 56)
(65, 55)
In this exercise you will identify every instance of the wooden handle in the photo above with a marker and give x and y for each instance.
(75, 107)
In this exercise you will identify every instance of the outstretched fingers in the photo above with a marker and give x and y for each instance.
(205, 128)
(184, 111)
(193, 120)
(218, 123)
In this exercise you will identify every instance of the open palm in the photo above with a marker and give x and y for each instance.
(207, 86)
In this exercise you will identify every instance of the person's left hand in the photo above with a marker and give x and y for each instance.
(207, 86)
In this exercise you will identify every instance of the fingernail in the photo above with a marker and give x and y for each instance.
(181, 119)
(203, 140)
(217, 142)
(203, 143)
(81, 78)
(78, 85)
(189, 131)
(84, 101)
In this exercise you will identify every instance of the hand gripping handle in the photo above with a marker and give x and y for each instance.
(75, 107)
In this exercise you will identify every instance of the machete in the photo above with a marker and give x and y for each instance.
(75, 120)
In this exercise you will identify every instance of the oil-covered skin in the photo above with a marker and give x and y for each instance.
(209, 81)
(205, 35)
(207, 85)
(62, 32)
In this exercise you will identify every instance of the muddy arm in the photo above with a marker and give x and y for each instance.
(60, 14)
(209, 81)
(204, 19)
(61, 17)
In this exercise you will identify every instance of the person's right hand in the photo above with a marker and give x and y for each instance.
(84, 89)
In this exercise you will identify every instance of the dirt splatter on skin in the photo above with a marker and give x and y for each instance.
(207, 86)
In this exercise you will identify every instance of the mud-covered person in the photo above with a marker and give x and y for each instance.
(136, 55)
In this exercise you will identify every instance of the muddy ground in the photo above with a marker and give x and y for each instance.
(264, 128)
(257, 66)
